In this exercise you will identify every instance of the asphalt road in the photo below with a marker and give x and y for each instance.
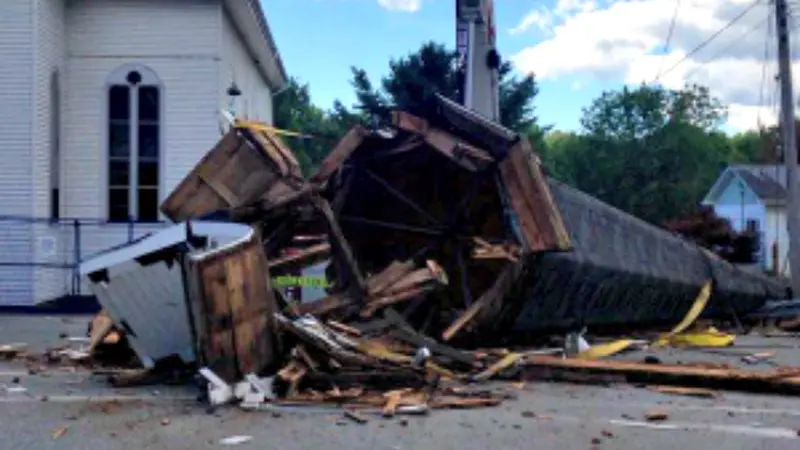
(544, 416)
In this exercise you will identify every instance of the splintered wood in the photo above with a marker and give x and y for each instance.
(686, 378)
(357, 370)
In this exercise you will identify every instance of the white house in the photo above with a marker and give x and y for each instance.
(105, 105)
(754, 197)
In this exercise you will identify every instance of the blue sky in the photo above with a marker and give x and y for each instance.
(577, 48)
(318, 46)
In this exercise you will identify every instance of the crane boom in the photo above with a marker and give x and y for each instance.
(475, 38)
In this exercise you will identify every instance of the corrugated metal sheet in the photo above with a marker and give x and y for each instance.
(148, 303)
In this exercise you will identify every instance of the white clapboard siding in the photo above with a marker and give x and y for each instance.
(196, 52)
(237, 65)
(16, 92)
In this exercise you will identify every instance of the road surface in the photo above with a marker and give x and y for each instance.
(85, 413)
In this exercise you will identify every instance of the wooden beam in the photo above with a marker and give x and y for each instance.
(346, 146)
(302, 258)
(462, 153)
(778, 381)
(347, 266)
(494, 293)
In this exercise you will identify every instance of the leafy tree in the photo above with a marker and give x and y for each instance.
(636, 113)
(754, 146)
(294, 111)
(414, 80)
(560, 151)
(649, 151)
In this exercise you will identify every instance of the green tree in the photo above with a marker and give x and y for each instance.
(650, 151)
(294, 111)
(414, 80)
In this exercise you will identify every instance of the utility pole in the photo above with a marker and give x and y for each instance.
(789, 141)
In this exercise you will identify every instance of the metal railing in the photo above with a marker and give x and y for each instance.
(39, 257)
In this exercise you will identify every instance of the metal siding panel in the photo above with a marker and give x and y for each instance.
(16, 273)
(150, 300)
(48, 282)
(16, 90)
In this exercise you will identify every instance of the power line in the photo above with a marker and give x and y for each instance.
(669, 36)
(710, 39)
(734, 43)
(764, 66)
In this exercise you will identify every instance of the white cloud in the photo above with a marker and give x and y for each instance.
(540, 18)
(401, 5)
(623, 41)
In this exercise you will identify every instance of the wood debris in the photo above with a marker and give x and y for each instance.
(656, 416)
(688, 391)
(428, 260)
(60, 431)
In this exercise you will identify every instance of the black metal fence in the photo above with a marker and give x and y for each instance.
(39, 257)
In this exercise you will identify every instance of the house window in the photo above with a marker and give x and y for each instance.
(134, 145)
(55, 146)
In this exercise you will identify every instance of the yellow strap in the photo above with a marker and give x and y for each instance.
(269, 129)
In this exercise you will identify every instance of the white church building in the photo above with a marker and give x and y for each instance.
(105, 105)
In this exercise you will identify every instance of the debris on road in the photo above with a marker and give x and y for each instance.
(10, 351)
(60, 431)
(235, 440)
(422, 237)
(691, 392)
(756, 358)
(656, 416)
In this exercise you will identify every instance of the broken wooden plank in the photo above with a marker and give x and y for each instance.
(785, 381)
(462, 153)
(391, 274)
(499, 366)
(340, 354)
(688, 391)
(404, 332)
(540, 221)
(301, 258)
(340, 327)
(356, 417)
(432, 274)
(349, 143)
(487, 250)
(343, 254)
(397, 297)
(442, 402)
(392, 401)
(304, 356)
(101, 326)
(496, 291)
